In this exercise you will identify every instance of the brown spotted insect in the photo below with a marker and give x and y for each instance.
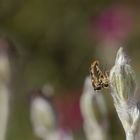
(99, 79)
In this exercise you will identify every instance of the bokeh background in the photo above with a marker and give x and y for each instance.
(54, 42)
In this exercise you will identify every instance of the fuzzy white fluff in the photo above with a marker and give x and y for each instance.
(123, 85)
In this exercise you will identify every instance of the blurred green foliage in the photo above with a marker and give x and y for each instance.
(54, 34)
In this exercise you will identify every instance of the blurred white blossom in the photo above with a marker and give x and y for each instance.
(95, 124)
(44, 119)
(5, 77)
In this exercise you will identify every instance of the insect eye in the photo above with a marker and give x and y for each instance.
(97, 88)
(106, 85)
(101, 76)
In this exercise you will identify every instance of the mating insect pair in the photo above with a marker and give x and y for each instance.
(99, 79)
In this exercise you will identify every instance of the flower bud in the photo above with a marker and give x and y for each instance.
(122, 77)
(123, 85)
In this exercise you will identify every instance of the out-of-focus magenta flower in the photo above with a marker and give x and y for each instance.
(115, 23)
(69, 111)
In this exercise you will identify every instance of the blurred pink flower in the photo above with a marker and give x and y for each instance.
(69, 111)
(115, 23)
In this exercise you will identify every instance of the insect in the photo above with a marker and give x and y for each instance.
(99, 79)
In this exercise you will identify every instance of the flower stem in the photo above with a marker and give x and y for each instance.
(130, 136)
